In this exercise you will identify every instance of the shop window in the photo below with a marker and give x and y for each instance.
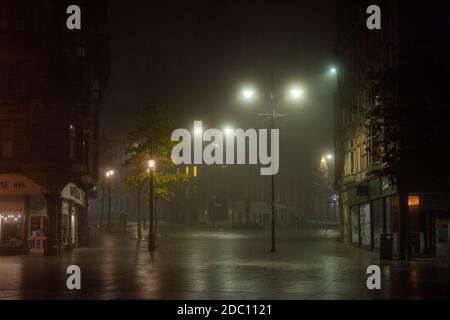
(38, 233)
(11, 230)
(413, 201)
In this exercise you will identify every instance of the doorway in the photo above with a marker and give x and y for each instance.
(442, 239)
(38, 234)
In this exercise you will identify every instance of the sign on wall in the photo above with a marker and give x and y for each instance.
(16, 184)
(72, 192)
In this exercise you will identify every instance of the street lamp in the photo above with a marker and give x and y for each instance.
(333, 70)
(248, 93)
(151, 167)
(109, 174)
(295, 93)
(228, 131)
(329, 156)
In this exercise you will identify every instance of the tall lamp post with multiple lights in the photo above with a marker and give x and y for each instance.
(109, 174)
(151, 167)
(295, 93)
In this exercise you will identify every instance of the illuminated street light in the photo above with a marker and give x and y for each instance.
(109, 174)
(329, 156)
(248, 93)
(333, 70)
(151, 167)
(296, 93)
(228, 131)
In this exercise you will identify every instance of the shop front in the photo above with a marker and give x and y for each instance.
(38, 224)
(374, 209)
(72, 207)
(370, 208)
(15, 194)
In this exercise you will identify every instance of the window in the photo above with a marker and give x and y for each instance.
(81, 51)
(19, 25)
(4, 24)
(350, 157)
(6, 142)
(349, 165)
(373, 150)
(3, 11)
(413, 201)
(72, 141)
(36, 140)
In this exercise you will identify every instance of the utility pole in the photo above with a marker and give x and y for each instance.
(109, 205)
(272, 120)
(103, 207)
(213, 197)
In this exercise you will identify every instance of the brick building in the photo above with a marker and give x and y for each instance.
(392, 142)
(51, 83)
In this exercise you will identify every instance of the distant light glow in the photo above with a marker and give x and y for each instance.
(248, 93)
(296, 93)
(151, 164)
(228, 131)
(329, 156)
(109, 173)
(413, 200)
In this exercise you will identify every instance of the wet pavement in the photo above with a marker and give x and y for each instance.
(195, 263)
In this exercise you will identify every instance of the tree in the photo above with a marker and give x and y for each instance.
(151, 139)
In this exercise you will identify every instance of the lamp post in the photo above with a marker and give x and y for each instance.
(151, 167)
(109, 174)
(295, 93)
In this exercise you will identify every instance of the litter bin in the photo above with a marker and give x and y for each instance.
(386, 246)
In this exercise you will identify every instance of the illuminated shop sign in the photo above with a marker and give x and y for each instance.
(18, 184)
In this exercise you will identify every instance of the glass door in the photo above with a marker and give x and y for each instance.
(38, 234)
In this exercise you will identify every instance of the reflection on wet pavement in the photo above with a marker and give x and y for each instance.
(193, 263)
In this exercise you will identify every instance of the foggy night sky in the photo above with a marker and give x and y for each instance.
(193, 56)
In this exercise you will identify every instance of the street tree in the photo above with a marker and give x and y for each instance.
(150, 139)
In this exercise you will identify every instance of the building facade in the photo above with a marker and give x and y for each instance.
(51, 83)
(392, 151)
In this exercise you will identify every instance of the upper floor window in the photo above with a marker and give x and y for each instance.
(350, 157)
(7, 138)
(81, 51)
(3, 10)
(19, 25)
(373, 152)
(72, 141)
(4, 24)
